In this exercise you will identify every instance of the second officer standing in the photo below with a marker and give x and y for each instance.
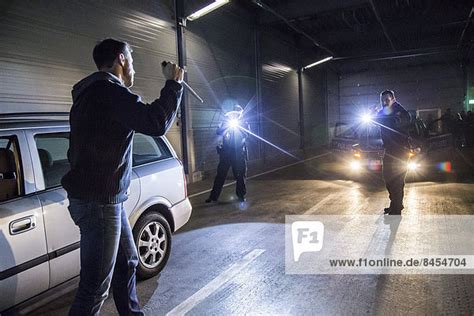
(232, 153)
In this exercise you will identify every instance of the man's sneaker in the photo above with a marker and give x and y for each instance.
(386, 210)
(242, 199)
(209, 200)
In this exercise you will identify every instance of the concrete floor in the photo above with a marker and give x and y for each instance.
(230, 259)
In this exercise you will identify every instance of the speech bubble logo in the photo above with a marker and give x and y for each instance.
(307, 236)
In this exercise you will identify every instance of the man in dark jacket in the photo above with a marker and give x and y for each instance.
(232, 153)
(103, 118)
(394, 122)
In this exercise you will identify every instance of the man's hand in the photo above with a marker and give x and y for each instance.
(172, 71)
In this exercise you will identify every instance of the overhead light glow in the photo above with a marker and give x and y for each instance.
(211, 7)
(471, 101)
(318, 62)
(275, 67)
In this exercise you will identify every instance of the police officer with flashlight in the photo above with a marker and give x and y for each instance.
(232, 153)
(394, 122)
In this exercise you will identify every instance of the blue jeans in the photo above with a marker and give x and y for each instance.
(108, 257)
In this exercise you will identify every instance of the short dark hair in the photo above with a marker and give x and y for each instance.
(106, 51)
(392, 94)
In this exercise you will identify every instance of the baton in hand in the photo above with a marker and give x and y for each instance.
(164, 63)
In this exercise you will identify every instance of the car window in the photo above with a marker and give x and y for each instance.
(345, 131)
(357, 131)
(148, 149)
(371, 131)
(10, 169)
(52, 151)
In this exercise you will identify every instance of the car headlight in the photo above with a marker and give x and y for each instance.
(412, 166)
(355, 165)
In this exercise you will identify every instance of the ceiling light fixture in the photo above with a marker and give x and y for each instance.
(209, 8)
(318, 62)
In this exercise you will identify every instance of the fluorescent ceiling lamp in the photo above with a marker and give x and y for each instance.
(318, 62)
(471, 101)
(213, 6)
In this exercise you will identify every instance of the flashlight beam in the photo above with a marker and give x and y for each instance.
(281, 126)
(269, 143)
(390, 129)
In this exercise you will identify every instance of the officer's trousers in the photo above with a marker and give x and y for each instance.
(394, 173)
(239, 169)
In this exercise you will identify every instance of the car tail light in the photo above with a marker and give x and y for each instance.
(185, 185)
(184, 180)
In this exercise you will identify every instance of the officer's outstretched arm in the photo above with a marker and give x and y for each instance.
(403, 121)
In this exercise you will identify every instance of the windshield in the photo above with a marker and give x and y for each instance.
(357, 131)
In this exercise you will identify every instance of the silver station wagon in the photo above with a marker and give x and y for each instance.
(39, 243)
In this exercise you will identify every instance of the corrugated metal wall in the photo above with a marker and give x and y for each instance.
(46, 47)
(333, 101)
(422, 86)
(221, 67)
(280, 108)
(317, 103)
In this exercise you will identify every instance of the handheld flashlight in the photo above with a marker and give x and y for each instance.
(233, 123)
(366, 118)
(164, 63)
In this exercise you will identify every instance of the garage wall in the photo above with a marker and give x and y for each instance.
(332, 79)
(422, 86)
(46, 47)
(320, 86)
(221, 68)
(469, 86)
(280, 107)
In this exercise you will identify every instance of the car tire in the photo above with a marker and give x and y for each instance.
(152, 236)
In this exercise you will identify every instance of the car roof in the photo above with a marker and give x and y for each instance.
(34, 120)
(28, 120)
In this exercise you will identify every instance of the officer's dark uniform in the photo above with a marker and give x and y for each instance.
(232, 153)
(394, 133)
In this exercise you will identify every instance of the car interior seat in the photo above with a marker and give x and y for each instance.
(46, 164)
(8, 179)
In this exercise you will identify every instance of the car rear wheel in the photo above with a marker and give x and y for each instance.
(152, 235)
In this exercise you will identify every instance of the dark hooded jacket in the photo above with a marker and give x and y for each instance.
(394, 128)
(103, 118)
